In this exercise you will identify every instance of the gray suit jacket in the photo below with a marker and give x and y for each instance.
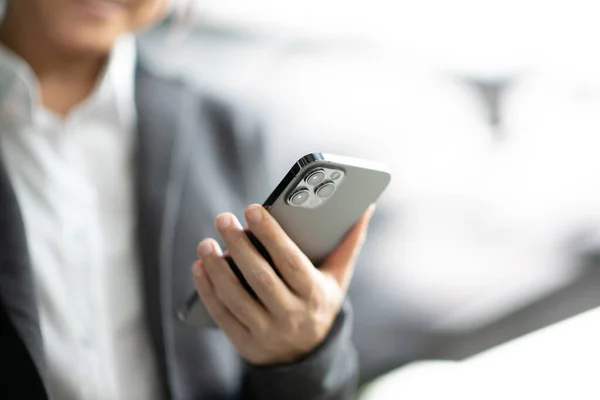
(198, 155)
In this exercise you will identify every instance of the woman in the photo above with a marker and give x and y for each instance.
(109, 175)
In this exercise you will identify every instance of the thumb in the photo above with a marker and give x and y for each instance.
(340, 263)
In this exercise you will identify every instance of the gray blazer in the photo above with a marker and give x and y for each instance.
(197, 155)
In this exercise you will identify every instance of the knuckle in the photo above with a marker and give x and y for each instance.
(264, 278)
(239, 307)
(238, 241)
(294, 260)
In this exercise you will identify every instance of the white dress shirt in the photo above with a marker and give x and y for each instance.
(73, 178)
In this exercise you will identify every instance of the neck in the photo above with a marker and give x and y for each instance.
(66, 77)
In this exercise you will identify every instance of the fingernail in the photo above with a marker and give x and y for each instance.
(205, 248)
(254, 214)
(223, 221)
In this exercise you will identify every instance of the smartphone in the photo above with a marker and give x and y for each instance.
(317, 203)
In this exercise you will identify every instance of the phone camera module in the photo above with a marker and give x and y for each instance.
(315, 177)
(315, 187)
(300, 197)
(325, 190)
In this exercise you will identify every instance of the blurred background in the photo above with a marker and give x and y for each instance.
(487, 113)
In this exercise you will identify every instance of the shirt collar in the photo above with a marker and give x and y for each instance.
(19, 93)
(119, 77)
(18, 87)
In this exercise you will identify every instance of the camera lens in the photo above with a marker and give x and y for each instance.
(300, 197)
(326, 190)
(315, 177)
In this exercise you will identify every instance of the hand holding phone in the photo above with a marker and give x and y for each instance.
(267, 294)
(292, 313)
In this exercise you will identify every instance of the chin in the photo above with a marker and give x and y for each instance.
(77, 32)
(88, 40)
(93, 26)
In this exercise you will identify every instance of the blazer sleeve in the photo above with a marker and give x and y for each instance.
(330, 372)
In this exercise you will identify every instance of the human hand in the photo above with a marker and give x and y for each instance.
(294, 313)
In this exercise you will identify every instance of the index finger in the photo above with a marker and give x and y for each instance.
(295, 268)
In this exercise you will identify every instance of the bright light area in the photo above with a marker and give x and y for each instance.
(488, 36)
(558, 362)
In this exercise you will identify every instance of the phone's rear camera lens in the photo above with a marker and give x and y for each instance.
(326, 190)
(300, 197)
(316, 177)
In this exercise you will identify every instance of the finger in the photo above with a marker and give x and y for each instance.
(295, 268)
(233, 328)
(340, 264)
(263, 279)
(229, 289)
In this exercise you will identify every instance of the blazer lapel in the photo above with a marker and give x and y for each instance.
(17, 296)
(177, 162)
(158, 104)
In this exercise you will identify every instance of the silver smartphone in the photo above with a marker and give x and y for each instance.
(317, 203)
